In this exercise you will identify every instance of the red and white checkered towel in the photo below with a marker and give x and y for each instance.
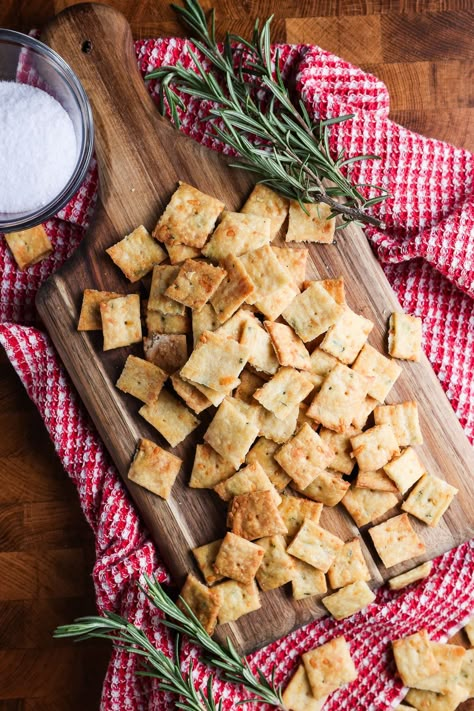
(427, 252)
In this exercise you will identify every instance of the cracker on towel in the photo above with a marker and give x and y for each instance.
(315, 546)
(168, 351)
(312, 312)
(346, 337)
(136, 254)
(298, 696)
(289, 348)
(349, 600)
(231, 433)
(341, 393)
(205, 558)
(312, 224)
(381, 371)
(29, 246)
(411, 576)
(204, 602)
(349, 565)
(189, 217)
(404, 420)
(294, 511)
(365, 505)
(405, 469)
(423, 700)
(237, 234)
(121, 322)
(430, 499)
(450, 658)
(395, 540)
(238, 558)
(255, 516)
(284, 391)
(277, 566)
(307, 581)
(141, 379)
(329, 667)
(196, 282)
(404, 336)
(234, 289)
(237, 600)
(267, 203)
(263, 452)
(375, 447)
(209, 468)
(303, 456)
(89, 319)
(154, 468)
(414, 657)
(170, 417)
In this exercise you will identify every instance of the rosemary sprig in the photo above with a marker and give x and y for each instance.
(130, 638)
(253, 113)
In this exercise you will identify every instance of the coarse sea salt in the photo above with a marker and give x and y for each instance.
(38, 147)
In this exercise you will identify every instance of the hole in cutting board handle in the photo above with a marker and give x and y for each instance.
(86, 47)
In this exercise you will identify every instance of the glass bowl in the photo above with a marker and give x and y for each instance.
(26, 60)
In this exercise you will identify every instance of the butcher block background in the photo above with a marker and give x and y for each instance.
(423, 52)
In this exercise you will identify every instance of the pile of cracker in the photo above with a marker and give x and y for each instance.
(440, 676)
(284, 367)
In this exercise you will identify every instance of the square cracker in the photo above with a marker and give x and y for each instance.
(237, 600)
(234, 326)
(170, 417)
(423, 700)
(231, 433)
(249, 383)
(121, 322)
(329, 667)
(298, 696)
(365, 505)
(188, 218)
(265, 271)
(255, 516)
(295, 261)
(405, 469)
(209, 468)
(345, 338)
(340, 443)
(450, 658)
(329, 488)
(195, 283)
(314, 225)
(283, 392)
(404, 419)
(205, 557)
(267, 203)
(203, 602)
(180, 252)
(290, 349)
(315, 546)
(414, 657)
(335, 287)
(136, 254)
(141, 379)
(247, 480)
(349, 600)
(263, 452)
(29, 246)
(169, 351)
(163, 276)
(375, 447)
(312, 312)
(404, 336)
(411, 576)
(89, 319)
(396, 541)
(377, 481)
(295, 510)
(273, 305)
(277, 566)
(307, 581)
(237, 234)
(362, 413)
(381, 371)
(216, 362)
(212, 395)
(154, 468)
(341, 393)
(191, 395)
(172, 324)
(303, 456)
(234, 289)
(276, 429)
(262, 354)
(204, 320)
(466, 676)
(430, 499)
(322, 363)
(349, 566)
(238, 558)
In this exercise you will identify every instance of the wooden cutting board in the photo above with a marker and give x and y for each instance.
(141, 158)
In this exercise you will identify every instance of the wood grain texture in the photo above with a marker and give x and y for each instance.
(141, 157)
(30, 473)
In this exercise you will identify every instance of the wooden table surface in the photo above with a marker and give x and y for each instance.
(423, 50)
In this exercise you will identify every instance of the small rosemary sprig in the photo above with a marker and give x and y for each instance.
(253, 113)
(130, 638)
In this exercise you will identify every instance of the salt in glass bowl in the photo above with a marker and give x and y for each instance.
(27, 60)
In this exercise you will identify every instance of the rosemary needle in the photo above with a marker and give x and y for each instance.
(254, 114)
(130, 638)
